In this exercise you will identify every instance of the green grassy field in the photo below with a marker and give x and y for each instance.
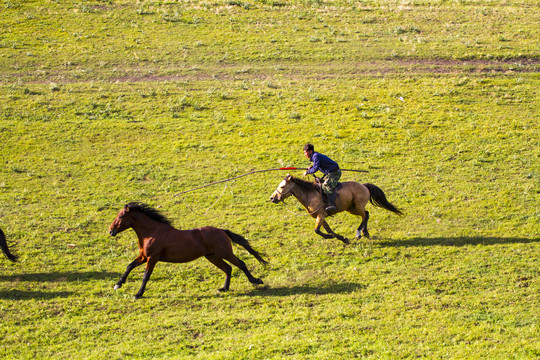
(107, 102)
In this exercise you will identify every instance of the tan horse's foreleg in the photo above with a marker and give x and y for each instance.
(318, 224)
(337, 236)
(331, 234)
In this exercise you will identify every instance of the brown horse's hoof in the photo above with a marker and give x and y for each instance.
(222, 290)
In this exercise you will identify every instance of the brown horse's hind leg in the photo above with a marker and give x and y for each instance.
(242, 266)
(137, 262)
(227, 269)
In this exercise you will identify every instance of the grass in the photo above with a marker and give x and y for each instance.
(122, 102)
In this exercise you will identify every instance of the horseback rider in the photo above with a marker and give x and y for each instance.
(331, 172)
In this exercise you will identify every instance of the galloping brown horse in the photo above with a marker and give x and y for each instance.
(159, 241)
(351, 196)
(5, 248)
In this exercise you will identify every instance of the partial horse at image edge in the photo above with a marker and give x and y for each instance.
(5, 248)
(159, 241)
(351, 197)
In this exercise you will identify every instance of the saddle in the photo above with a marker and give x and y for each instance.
(318, 182)
(319, 185)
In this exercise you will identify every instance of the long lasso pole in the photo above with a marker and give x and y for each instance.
(234, 178)
(252, 172)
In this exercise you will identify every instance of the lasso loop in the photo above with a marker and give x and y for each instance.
(239, 176)
(253, 172)
(211, 206)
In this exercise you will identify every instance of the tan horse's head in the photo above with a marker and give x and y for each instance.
(283, 191)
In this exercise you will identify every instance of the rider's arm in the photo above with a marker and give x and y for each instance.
(313, 169)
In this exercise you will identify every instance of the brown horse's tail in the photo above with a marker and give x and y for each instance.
(5, 249)
(240, 240)
(377, 198)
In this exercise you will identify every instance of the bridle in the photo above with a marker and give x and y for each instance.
(287, 193)
(290, 192)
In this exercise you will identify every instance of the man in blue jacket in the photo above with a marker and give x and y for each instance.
(331, 172)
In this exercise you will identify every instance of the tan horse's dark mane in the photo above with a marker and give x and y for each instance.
(304, 185)
(148, 211)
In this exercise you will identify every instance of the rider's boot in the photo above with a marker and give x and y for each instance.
(331, 202)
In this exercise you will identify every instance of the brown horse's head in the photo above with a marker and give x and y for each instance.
(283, 191)
(122, 221)
(127, 217)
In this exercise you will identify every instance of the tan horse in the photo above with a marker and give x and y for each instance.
(159, 241)
(351, 196)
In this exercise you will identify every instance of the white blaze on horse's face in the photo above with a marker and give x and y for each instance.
(283, 191)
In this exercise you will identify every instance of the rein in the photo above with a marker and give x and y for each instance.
(308, 214)
(288, 192)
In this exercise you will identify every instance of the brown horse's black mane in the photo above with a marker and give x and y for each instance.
(148, 211)
(306, 186)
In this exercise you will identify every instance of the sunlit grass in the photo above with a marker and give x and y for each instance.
(122, 101)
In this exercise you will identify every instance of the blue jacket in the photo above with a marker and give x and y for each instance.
(322, 163)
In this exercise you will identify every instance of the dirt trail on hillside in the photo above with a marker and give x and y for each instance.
(190, 72)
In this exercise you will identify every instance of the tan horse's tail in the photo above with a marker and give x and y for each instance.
(5, 249)
(240, 240)
(378, 198)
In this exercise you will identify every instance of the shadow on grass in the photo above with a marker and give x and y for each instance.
(32, 295)
(341, 288)
(69, 276)
(53, 277)
(457, 241)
